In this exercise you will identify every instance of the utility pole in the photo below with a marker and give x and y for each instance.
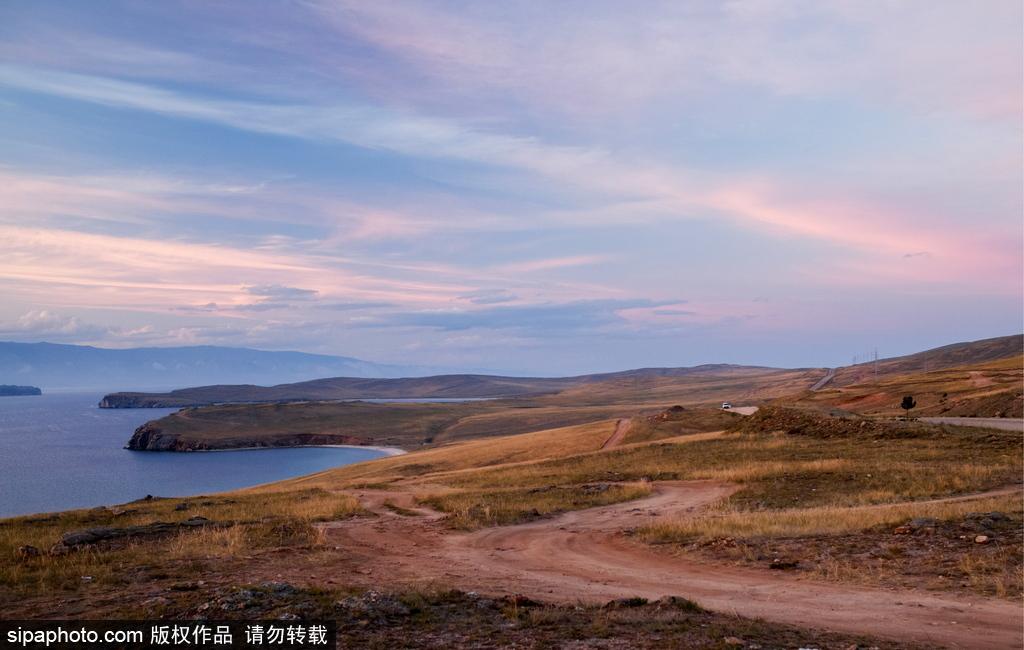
(876, 365)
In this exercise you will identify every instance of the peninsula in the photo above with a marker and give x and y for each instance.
(8, 390)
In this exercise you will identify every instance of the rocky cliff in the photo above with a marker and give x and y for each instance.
(150, 437)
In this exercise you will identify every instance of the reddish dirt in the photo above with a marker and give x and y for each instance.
(585, 555)
(622, 427)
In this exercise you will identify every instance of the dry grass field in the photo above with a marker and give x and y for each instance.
(993, 388)
(238, 523)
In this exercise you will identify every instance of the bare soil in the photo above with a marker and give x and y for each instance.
(586, 557)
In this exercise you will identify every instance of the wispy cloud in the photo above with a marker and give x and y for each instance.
(409, 177)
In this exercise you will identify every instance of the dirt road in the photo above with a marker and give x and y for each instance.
(1007, 424)
(821, 383)
(585, 555)
(622, 427)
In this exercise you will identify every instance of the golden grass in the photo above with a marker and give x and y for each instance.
(250, 521)
(526, 447)
(727, 521)
(959, 390)
(745, 472)
(475, 509)
(785, 471)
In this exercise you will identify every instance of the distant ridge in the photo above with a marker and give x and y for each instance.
(68, 367)
(492, 386)
(431, 387)
(946, 356)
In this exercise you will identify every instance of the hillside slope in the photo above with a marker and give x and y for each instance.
(947, 356)
(588, 387)
(993, 388)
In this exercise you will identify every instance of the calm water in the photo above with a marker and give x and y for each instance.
(59, 451)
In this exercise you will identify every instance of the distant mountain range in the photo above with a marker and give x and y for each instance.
(738, 380)
(65, 367)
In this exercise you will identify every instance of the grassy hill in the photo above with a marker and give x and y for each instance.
(598, 387)
(947, 356)
(992, 388)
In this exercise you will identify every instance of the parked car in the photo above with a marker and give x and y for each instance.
(726, 405)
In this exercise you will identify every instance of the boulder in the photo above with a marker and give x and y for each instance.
(782, 564)
(77, 539)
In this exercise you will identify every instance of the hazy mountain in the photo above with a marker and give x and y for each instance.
(53, 366)
(652, 381)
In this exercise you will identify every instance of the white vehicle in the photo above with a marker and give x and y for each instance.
(726, 405)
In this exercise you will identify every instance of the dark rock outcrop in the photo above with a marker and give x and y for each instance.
(104, 535)
(149, 437)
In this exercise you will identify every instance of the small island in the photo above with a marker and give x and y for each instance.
(7, 390)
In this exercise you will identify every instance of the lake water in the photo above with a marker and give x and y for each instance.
(59, 451)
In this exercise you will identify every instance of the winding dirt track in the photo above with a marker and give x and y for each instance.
(584, 555)
(622, 427)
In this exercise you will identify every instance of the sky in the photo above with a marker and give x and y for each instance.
(524, 187)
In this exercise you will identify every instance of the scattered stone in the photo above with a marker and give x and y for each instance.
(982, 539)
(374, 605)
(86, 578)
(181, 506)
(279, 588)
(732, 640)
(922, 522)
(27, 552)
(902, 530)
(239, 600)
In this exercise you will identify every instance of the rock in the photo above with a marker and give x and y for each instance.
(374, 604)
(181, 506)
(626, 602)
(239, 600)
(279, 588)
(922, 522)
(982, 539)
(781, 564)
(732, 640)
(77, 539)
(902, 530)
(27, 552)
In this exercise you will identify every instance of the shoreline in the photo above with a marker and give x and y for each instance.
(387, 451)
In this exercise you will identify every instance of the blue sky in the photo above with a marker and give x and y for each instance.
(523, 187)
